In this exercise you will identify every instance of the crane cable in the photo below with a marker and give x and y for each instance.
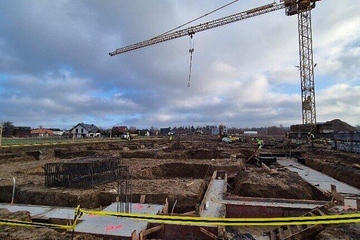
(182, 25)
(191, 50)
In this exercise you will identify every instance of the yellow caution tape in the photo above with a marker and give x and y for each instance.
(199, 221)
(18, 223)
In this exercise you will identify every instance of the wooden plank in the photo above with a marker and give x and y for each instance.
(209, 234)
(142, 199)
(134, 236)
(321, 212)
(307, 232)
(300, 227)
(256, 152)
(281, 233)
(272, 235)
(189, 213)
(166, 207)
(289, 227)
(150, 230)
(263, 166)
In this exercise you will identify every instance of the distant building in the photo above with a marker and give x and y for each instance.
(13, 131)
(118, 131)
(221, 130)
(22, 131)
(214, 131)
(57, 131)
(41, 132)
(252, 133)
(82, 130)
(165, 131)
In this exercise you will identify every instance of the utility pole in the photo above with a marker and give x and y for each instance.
(1, 130)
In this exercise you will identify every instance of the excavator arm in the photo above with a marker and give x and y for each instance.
(202, 27)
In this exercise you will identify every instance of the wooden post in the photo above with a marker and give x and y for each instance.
(146, 232)
(1, 130)
(166, 207)
(134, 236)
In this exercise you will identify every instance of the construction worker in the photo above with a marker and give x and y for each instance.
(311, 138)
(260, 143)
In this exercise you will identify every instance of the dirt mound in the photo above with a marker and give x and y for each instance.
(70, 153)
(349, 232)
(204, 154)
(180, 170)
(336, 169)
(63, 197)
(176, 146)
(21, 215)
(258, 183)
(340, 126)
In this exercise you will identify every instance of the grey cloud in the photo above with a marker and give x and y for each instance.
(54, 56)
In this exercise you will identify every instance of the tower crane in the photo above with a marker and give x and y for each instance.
(301, 8)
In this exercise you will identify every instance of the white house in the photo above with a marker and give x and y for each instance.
(82, 130)
(251, 133)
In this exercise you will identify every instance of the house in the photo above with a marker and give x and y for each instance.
(214, 131)
(165, 131)
(57, 131)
(41, 132)
(82, 130)
(21, 131)
(118, 131)
(13, 131)
(251, 133)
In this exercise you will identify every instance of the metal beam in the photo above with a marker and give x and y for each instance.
(306, 67)
(201, 27)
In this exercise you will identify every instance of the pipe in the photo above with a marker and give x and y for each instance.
(13, 193)
(172, 210)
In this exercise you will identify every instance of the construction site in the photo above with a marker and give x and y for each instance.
(302, 185)
(199, 176)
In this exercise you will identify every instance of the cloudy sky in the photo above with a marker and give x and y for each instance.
(55, 70)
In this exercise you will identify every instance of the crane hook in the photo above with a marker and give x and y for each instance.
(191, 51)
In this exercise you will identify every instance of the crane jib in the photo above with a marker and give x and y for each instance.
(201, 27)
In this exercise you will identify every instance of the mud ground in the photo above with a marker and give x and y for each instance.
(178, 170)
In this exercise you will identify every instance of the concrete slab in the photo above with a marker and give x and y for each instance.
(99, 225)
(305, 206)
(116, 226)
(43, 212)
(214, 199)
(316, 178)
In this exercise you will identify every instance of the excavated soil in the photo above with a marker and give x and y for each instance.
(259, 183)
(160, 169)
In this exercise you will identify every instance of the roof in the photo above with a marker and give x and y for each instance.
(42, 131)
(120, 128)
(89, 127)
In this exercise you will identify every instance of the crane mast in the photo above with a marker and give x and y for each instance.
(306, 68)
(302, 8)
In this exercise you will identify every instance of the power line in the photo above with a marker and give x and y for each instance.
(217, 9)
